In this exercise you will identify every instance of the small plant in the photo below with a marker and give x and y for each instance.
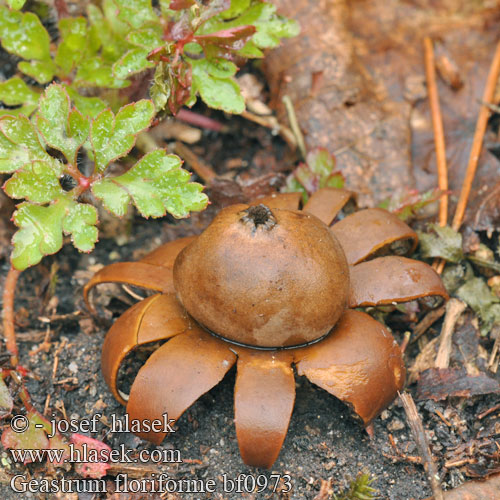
(156, 184)
(317, 172)
(359, 489)
(195, 47)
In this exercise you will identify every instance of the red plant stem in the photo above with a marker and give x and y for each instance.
(8, 314)
(61, 8)
(199, 120)
(477, 144)
(437, 123)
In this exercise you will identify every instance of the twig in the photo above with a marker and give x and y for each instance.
(430, 318)
(437, 123)
(477, 143)
(454, 308)
(417, 429)
(294, 125)
(199, 120)
(489, 411)
(271, 122)
(201, 168)
(8, 314)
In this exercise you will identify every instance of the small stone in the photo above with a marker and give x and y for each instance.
(73, 367)
(395, 425)
(385, 414)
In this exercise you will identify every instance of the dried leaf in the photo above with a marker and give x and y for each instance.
(438, 384)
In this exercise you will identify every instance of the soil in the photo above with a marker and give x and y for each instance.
(324, 443)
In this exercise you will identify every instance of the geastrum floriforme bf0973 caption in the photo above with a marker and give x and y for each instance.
(267, 287)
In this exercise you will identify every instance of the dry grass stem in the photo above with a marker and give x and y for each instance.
(454, 309)
(417, 429)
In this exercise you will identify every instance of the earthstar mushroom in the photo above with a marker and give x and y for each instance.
(267, 286)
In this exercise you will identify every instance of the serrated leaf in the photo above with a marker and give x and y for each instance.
(62, 128)
(16, 91)
(80, 223)
(27, 37)
(133, 61)
(39, 234)
(19, 144)
(156, 184)
(16, 4)
(37, 182)
(445, 243)
(113, 137)
(136, 13)
(218, 93)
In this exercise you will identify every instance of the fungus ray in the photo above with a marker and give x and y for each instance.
(176, 375)
(327, 202)
(166, 254)
(264, 396)
(386, 280)
(156, 318)
(367, 232)
(359, 363)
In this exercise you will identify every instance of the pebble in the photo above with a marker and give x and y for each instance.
(395, 425)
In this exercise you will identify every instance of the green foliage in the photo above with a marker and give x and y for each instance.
(155, 185)
(359, 489)
(445, 243)
(477, 295)
(317, 172)
(408, 205)
(193, 46)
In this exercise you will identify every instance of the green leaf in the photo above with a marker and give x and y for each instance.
(39, 234)
(19, 144)
(113, 137)
(219, 93)
(62, 128)
(88, 106)
(156, 184)
(33, 438)
(148, 38)
(37, 182)
(476, 293)
(445, 243)
(41, 229)
(133, 61)
(25, 36)
(15, 91)
(237, 8)
(80, 223)
(136, 13)
(16, 4)
(96, 71)
(41, 71)
(74, 39)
